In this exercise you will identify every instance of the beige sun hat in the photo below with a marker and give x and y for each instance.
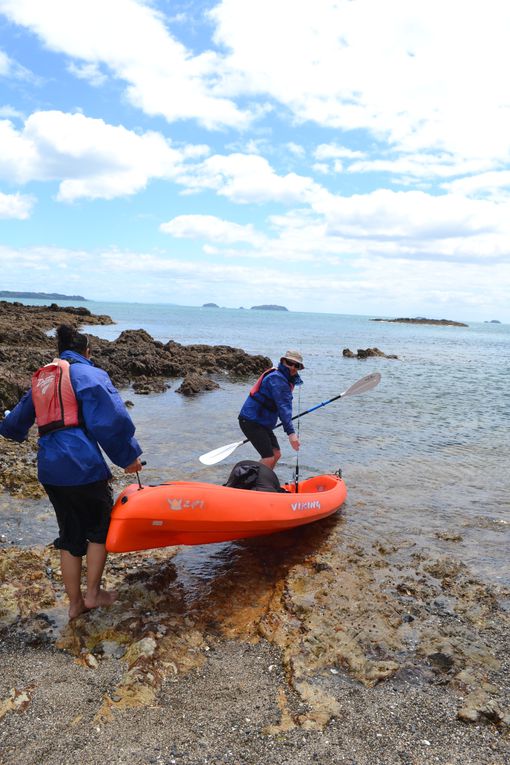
(294, 356)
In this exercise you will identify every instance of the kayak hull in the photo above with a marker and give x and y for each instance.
(193, 513)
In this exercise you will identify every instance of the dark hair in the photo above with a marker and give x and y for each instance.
(69, 339)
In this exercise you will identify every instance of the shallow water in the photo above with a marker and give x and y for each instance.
(424, 455)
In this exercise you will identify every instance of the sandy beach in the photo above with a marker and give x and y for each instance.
(319, 645)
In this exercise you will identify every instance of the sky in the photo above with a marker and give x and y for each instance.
(342, 156)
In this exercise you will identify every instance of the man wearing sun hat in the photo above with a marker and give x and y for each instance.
(270, 399)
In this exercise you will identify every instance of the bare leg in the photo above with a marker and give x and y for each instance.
(270, 462)
(95, 596)
(71, 574)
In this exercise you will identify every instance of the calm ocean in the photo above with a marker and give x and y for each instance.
(424, 453)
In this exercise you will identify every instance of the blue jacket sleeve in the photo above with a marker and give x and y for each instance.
(105, 416)
(17, 424)
(282, 396)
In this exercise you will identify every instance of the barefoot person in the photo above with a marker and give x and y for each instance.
(270, 399)
(77, 410)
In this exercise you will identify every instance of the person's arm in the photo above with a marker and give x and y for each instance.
(19, 421)
(282, 397)
(106, 418)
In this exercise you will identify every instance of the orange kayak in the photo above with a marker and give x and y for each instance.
(192, 513)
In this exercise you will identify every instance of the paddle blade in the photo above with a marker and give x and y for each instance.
(217, 455)
(361, 386)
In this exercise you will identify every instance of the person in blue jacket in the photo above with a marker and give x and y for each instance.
(73, 471)
(270, 399)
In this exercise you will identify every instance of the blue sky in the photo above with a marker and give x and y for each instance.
(346, 156)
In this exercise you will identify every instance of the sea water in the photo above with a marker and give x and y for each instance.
(425, 455)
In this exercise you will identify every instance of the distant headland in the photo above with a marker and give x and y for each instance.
(421, 320)
(40, 295)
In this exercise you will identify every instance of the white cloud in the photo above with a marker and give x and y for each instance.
(403, 76)
(89, 157)
(295, 149)
(421, 166)
(334, 151)
(321, 167)
(10, 112)
(16, 206)
(247, 179)
(131, 39)
(16, 259)
(375, 284)
(4, 64)
(408, 76)
(89, 72)
(211, 228)
(412, 215)
(402, 70)
(494, 185)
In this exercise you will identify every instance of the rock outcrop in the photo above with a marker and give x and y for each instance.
(366, 353)
(133, 359)
(421, 320)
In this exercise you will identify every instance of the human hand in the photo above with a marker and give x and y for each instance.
(135, 466)
(294, 441)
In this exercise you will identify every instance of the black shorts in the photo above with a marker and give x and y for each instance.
(263, 439)
(83, 514)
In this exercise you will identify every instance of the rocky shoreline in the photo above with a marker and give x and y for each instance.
(312, 646)
(134, 360)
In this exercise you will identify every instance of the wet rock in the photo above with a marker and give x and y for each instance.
(449, 536)
(366, 353)
(194, 383)
(441, 662)
(423, 320)
(146, 385)
(18, 471)
(17, 701)
(478, 706)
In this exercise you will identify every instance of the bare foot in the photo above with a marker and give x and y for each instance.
(101, 598)
(76, 609)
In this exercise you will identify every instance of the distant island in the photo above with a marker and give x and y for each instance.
(40, 295)
(492, 321)
(268, 308)
(253, 308)
(420, 320)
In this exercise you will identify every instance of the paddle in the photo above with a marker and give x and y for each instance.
(361, 386)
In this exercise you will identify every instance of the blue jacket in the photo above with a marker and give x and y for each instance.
(72, 457)
(273, 400)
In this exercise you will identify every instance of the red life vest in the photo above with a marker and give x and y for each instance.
(257, 385)
(55, 403)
